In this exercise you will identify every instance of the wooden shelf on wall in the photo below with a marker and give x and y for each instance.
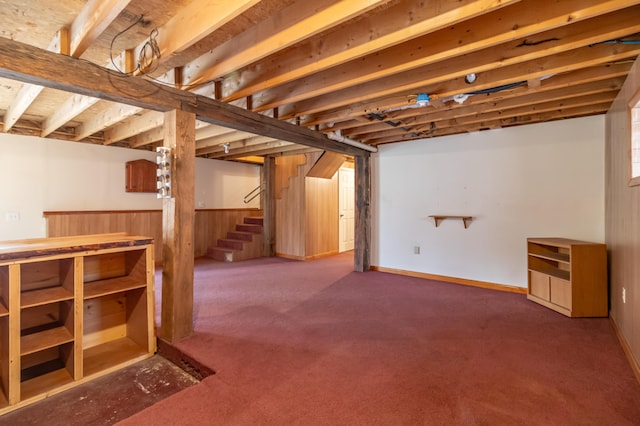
(439, 218)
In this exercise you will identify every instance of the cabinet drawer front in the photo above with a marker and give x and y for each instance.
(560, 292)
(539, 284)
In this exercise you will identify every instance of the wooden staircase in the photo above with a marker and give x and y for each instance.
(245, 242)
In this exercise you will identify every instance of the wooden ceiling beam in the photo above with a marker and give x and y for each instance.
(572, 79)
(195, 21)
(503, 113)
(611, 26)
(144, 122)
(249, 150)
(514, 22)
(92, 20)
(559, 63)
(285, 28)
(29, 64)
(29, 92)
(274, 148)
(218, 141)
(500, 123)
(568, 95)
(187, 26)
(509, 112)
(371, 34)
(488, 103)
(108, 115)
(157, 134)
(126, 129)
(245, 146)
(76, 104)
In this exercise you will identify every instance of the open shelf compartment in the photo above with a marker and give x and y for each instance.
(115, 329)
(46, 282)
(111, 273)
(47, 347)
(554, 253)
(53, 369)
(111, 354)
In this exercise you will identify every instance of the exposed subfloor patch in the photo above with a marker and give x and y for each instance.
(107, 399)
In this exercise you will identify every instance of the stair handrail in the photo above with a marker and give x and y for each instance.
(255, 192)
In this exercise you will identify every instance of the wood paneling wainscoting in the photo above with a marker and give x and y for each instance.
(210, 224)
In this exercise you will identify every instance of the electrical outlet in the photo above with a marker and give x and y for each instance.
(624, 295)
(416, 249)
(12, 216)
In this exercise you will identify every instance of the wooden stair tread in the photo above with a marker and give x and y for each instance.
(240, 235)
(242, 243)
(232, 240)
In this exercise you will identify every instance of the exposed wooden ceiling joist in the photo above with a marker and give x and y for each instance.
(517, 22)
(36, 66)
(399, 23)
(342, 68)
(285, 28)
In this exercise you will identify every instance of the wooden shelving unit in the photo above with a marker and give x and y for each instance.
(568, 276)
(72, 309)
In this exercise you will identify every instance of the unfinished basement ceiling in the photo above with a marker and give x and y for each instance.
(372, 71)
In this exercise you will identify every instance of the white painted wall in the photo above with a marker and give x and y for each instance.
(45, 175)
(527, 181)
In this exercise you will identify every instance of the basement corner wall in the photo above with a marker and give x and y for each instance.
(623, 218)
(538, 180)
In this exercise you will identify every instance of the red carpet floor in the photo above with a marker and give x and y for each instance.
(312, 343)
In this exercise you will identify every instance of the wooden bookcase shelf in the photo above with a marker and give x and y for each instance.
(72, 309)
(46, 339)
(568, 276)
(44, 296)
(111, 286)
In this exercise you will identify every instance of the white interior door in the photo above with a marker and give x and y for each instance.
(346, 207)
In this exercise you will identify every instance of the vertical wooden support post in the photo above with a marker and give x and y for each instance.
(178, 214)
(362, 243)
(269, 205)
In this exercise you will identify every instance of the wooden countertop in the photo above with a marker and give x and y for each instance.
(20, 249)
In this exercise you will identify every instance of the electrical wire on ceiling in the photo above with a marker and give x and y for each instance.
(149, 55)
(631, 39)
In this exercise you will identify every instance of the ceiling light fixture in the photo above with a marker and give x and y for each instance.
(460, 98)
(471, 78)
(422, 100)
(226, 147)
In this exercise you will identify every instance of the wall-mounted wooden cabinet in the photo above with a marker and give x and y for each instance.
(568, 276)
(72, 309)
(141, 176)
